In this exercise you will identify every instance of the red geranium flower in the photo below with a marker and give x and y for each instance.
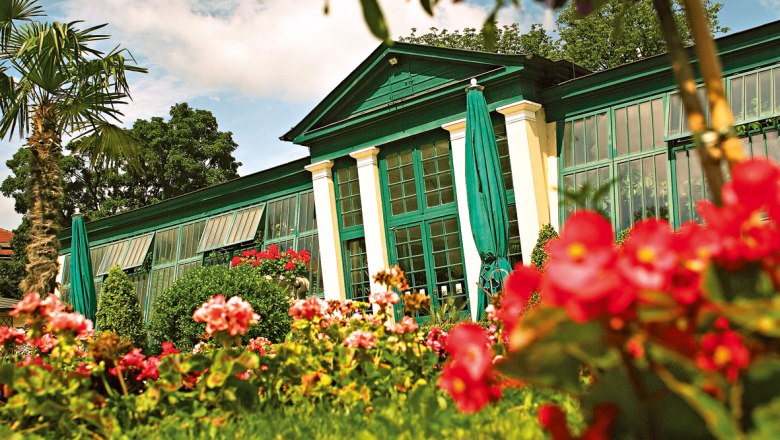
(647, 257)
(580, 274)
(470, 393)
(724, 351)
(518, 289)
(470, 344)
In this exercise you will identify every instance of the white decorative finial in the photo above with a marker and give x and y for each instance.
(473, 81)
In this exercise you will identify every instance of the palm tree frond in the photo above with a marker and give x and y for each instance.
(12, 11)
(108, 145)
(15, 106)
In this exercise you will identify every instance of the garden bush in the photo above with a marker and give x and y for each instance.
(173, 309)
(539, 254)
(118, 309)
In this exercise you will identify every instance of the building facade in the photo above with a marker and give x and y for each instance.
(385, 181)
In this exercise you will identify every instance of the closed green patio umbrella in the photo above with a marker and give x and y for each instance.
(486, 196)
(82, 285)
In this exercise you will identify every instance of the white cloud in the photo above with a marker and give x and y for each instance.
(284, 49)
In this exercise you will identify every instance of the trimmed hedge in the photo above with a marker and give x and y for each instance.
(173, 309)
(118, 309)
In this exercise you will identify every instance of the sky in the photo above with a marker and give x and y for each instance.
(261, 65)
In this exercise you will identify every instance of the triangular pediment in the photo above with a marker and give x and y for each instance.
(407, 77)
(398, 75)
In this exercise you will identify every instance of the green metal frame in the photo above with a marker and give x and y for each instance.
(674, 148)
(423, 216)
(350, 234)
(294, 239)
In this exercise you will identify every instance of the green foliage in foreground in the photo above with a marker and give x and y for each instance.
(425, 413)
(173, 309)
(118, 310)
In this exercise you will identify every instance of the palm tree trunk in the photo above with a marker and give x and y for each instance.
(44, 192)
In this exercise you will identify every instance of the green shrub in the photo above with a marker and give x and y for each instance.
(173, 309)
(118, 310)
(539, 254)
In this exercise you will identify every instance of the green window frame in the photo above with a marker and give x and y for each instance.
(623, 146)
(176, 252)
(755, 94)
(291, 224)
(420, 208)
(357, 280)
(759, 139)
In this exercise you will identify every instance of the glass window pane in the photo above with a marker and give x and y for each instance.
(590, 139)
(503, 154)
(215, 234)
(737, 99)
(579, 142)
(675, 114)
(349, 196)
(280, 218)
(245, 225)
(649, 185)
(646, 124)
(634, 137)
(765, 92)
(515, 251)
(773, 146)
(751, 96)
(637, 207)
(621, 130)
(407, 241)
(603, 136)
(569, 185)
(662, 186)
(777, 89)
(606, 200)
(658, 122)
(307, 219)
(624, 196)
(436, 164)
(683, 202)
(400, 165)
(190, 237)
(136, 252)
(165, 246)
(65, 271)
(114, 256)
(96, 256)
(566, 150)
(358, 278)
(448, 268)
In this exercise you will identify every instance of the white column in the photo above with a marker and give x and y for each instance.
(371, 206)
(529, 173)
(331, 265)
(471, 258)
(58, 279)
(552, 174)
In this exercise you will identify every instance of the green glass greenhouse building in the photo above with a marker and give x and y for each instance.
(385, 183)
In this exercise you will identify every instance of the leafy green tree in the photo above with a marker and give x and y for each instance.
(185, 153)
(53, 82)
(506, 40)
(12, 270)
(118, 310)
(180, 155)
(619, 32)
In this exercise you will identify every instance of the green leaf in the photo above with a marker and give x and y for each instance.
(375, 20)
(714, 413)
(428, 6)
(751, 281)
(490, 31)
(767, 421)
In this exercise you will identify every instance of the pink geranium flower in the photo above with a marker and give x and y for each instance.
(360, 338)
(233, 316)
